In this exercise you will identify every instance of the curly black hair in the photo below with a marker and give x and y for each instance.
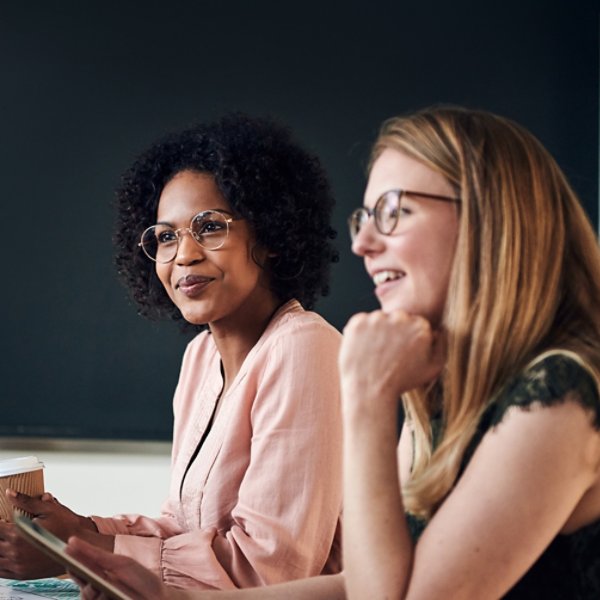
(267, 178)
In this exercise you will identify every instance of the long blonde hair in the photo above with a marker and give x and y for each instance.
(525, 279)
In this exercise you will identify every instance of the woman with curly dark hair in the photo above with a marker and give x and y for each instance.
(266, 179)
(226, 225)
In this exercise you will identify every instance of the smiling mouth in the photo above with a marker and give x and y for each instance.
(192, 284)
(384, 276)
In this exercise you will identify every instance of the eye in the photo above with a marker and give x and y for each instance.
(404, 210)
(166, 236)
(209, 224)
(403, 206)
(391, 206)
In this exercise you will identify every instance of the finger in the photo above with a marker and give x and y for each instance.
(48, 497)
(94, 558)
(7, 532)
(89, 593)
(23, 501)
(4, 527)
(80, 582)
(97, 559)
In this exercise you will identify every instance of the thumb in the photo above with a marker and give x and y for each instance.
(96, 558)
(48, 497)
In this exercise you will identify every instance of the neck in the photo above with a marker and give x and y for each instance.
(235, 340)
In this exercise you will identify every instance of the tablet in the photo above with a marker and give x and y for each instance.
(55, 548)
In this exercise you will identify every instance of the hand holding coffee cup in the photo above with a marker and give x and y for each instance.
(24, 475)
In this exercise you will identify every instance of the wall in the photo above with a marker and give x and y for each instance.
(92, 480)
(85, 86)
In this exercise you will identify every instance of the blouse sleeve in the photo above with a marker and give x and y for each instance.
(286, 516)
(162, 527)
(552, 380)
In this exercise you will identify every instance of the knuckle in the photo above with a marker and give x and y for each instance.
(426, 328)
(355, 322)
(422, 326)
(12, 537)
(398, 317)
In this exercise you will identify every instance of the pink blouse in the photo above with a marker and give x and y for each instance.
(261, 502)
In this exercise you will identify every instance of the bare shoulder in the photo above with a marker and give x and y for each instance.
(527, 478)
(554, 440)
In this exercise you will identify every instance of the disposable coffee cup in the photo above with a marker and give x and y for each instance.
(25, 475)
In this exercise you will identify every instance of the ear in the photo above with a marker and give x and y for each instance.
(260, 255)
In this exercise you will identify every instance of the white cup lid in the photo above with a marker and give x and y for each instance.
(24, 464)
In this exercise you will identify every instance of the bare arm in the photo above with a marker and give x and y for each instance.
(522, 485)
(378, 552)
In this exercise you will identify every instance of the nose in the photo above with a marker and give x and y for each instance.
(188, 249)
(368, 240)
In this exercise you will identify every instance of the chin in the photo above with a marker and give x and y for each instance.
(195, 318)
(196, 322)
(392, 304)
(390, 308)
(397, 299)
(409, 309)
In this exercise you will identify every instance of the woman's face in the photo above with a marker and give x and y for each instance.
(411, 267)
(210, 286)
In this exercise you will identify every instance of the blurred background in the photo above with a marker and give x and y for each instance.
(86, 86)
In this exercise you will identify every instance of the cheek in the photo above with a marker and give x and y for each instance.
(247, 265)
(440, 268)
(432, 263)
(163, 272)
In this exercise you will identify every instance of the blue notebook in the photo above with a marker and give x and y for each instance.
(60, 589)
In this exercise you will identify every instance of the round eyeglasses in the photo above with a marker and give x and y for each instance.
(387, 211)
(209, 229)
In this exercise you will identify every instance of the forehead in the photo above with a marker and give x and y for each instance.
(395, 170)
(188, 193)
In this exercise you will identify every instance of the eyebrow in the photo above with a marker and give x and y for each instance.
(219, 210)
(441, 197)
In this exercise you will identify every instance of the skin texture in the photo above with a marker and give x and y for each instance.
(421, 247)
(237, 302)
(237, 284)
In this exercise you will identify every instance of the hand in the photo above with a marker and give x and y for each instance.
(18, 558)
(386, 354)
(123, 572)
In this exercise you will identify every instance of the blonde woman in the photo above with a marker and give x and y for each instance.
(488, 276)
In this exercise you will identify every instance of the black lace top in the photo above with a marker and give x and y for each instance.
(569, 568)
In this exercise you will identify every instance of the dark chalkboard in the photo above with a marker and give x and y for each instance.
(86, 86)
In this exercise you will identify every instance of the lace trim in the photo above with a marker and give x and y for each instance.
(552, 378)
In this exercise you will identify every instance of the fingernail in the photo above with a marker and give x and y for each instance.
(11, 493)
